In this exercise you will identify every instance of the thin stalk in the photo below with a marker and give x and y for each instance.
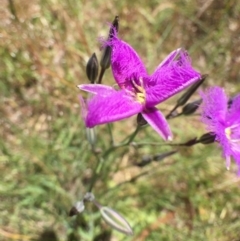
(109, 126)
(97, 171)
(13, 9)
(133, 135)
(100, 161)
(101, 75)
(125, 142)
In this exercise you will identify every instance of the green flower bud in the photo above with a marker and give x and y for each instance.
(115, 220)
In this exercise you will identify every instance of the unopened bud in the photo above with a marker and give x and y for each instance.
(207, 138)
(89, 197)
(91, 136)
(190, 108)
(105, 62)
(107, 51)
(77, 208)
(114, 27)
(146, 159)
(185, 97)
(92, 68)
(106, 57)
(140, 120)
(116, 221)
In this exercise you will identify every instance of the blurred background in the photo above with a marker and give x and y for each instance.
(46, 162)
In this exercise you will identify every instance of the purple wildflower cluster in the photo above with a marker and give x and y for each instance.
(139, 92)
(222, 117)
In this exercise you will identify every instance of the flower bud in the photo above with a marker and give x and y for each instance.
(190, 108)
(105, 62)
(114, 27)
(185, 97)
(89, 197)
(91, 136)
(92, 68)
(140, 120)
(146, 159)
(207, 138)
(106, 57)
(115, 220)
(77, 208)
(107, 51)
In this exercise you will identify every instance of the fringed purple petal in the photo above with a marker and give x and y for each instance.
(83, 107)
(173, 75)
(233, 120)
(235, 105)
(225, 144)
(125, 62)
(214, 111)
(158, 122)
(223, 122)
(168, 59)
(96, 88)
(214, 107)
(112, 106)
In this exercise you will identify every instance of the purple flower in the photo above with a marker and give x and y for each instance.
(139, 92)
(223, 119)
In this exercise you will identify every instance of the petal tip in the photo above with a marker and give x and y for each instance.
(79, 87)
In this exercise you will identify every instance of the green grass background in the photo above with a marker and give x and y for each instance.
(46, 162)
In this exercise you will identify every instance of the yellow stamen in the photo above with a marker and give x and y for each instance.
(228, 133)
(141, 95)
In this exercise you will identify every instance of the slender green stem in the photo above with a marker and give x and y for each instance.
(12, 9)
(100, 161)
(140, 144)
(125, 142)
(133, 135)
(130, 137)
(97, 171)
(110, 134)
(101, 75)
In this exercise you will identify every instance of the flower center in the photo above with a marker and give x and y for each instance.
(233, 135)
(140, 93)
(228, 133)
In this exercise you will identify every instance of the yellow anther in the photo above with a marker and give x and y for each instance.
(140, 97)
(141, 93)
(228, 133)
